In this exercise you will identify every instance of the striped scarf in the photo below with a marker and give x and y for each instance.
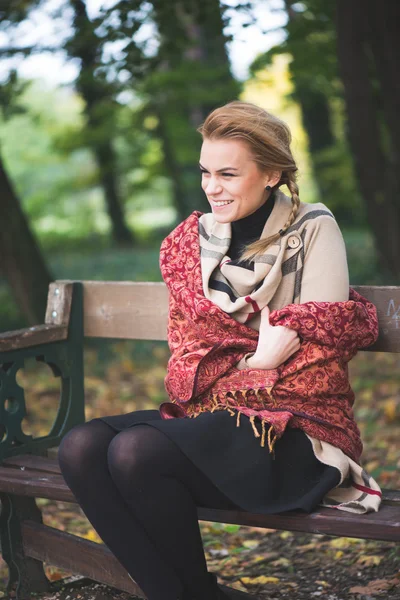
(243, 289)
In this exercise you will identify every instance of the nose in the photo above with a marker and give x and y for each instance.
(212, 186)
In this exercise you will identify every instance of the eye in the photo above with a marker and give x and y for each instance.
(228, 175)
(203, 172)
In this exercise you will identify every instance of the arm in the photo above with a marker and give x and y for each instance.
(325, 275)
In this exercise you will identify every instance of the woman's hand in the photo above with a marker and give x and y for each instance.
(275, 344)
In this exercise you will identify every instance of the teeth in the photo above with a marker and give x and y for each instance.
(222, 203)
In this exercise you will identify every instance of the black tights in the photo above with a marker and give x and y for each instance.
(140, 492)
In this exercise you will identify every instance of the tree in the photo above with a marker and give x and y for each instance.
(310, 43)
(99, 96)
(21, 260)
(100, 109)
(369, 52)
(187, 76)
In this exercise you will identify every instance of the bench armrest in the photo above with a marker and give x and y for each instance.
(60, 346)
(32, 336)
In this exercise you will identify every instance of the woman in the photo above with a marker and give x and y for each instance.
(261, 328)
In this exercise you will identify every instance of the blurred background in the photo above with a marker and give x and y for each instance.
(99, 105)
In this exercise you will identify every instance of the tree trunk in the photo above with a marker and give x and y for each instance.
(98, 108)
(372, 162)
(315, 114)
(384, 37)
(106, 162)
(21, 260)
(172, 166)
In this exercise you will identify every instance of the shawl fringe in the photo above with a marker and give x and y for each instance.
(230, 401)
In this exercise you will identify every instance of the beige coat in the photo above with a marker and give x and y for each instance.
(312, 256)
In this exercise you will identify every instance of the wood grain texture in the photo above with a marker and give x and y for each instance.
(59, 300)
(50, 465)
(139, 310)
(42, 478)
(127, 310)
(36, 484)
(32, 462)
(383, 525)
(387, 302)
(77, 555)
(32, 336)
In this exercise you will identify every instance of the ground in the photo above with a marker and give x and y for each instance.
(282, 565)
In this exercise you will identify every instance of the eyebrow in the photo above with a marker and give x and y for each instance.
(220, 170)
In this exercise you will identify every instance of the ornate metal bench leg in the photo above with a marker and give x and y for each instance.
(26, 574)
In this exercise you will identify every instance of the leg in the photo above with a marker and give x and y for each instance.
(163, 487)
(83, 462)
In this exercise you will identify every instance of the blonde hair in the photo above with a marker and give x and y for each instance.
(268, 139)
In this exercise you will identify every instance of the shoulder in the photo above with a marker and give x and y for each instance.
(319, 229)
(313, 218)
(309, 213)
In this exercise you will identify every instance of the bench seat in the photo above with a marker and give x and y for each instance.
(38, 476)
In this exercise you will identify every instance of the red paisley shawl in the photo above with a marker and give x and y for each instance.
(310, 391)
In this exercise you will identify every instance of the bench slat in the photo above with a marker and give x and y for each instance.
(33, 462)
(34, 483)
(383, 525)
(77, 555)
(123, 309)
(50, 465)
(387, 301)
(139, 311)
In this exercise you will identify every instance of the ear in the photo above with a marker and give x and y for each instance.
(273, 178)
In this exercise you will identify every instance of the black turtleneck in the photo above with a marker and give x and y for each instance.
(249, 229)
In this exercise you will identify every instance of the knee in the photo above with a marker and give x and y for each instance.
(79, 448)
(127, 455)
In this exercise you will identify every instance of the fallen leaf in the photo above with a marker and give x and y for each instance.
(307, 547)
(370, 561)
(250, 543)
(375, 587)
(260, 580)
(323, 583)
(281, 562)
(391, 409)
(344, 542)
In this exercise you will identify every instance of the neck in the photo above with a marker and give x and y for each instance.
(252, 225)
(249, 228)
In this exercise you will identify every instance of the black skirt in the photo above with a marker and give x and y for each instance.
(232, 458)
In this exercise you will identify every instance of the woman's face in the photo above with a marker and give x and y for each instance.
(231, 180)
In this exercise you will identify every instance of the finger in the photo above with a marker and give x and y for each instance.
(265, 312)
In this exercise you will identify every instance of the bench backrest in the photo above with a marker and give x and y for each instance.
(136, 310)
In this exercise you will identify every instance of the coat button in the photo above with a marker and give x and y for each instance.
(293, 242)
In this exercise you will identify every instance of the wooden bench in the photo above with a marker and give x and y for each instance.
(117, 310)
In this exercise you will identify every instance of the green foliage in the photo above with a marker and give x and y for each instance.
(311, 45)
(16, 11)
(55, 175)
(10, 91)
(341, 193)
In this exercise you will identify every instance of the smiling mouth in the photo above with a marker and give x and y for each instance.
(221, 202)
